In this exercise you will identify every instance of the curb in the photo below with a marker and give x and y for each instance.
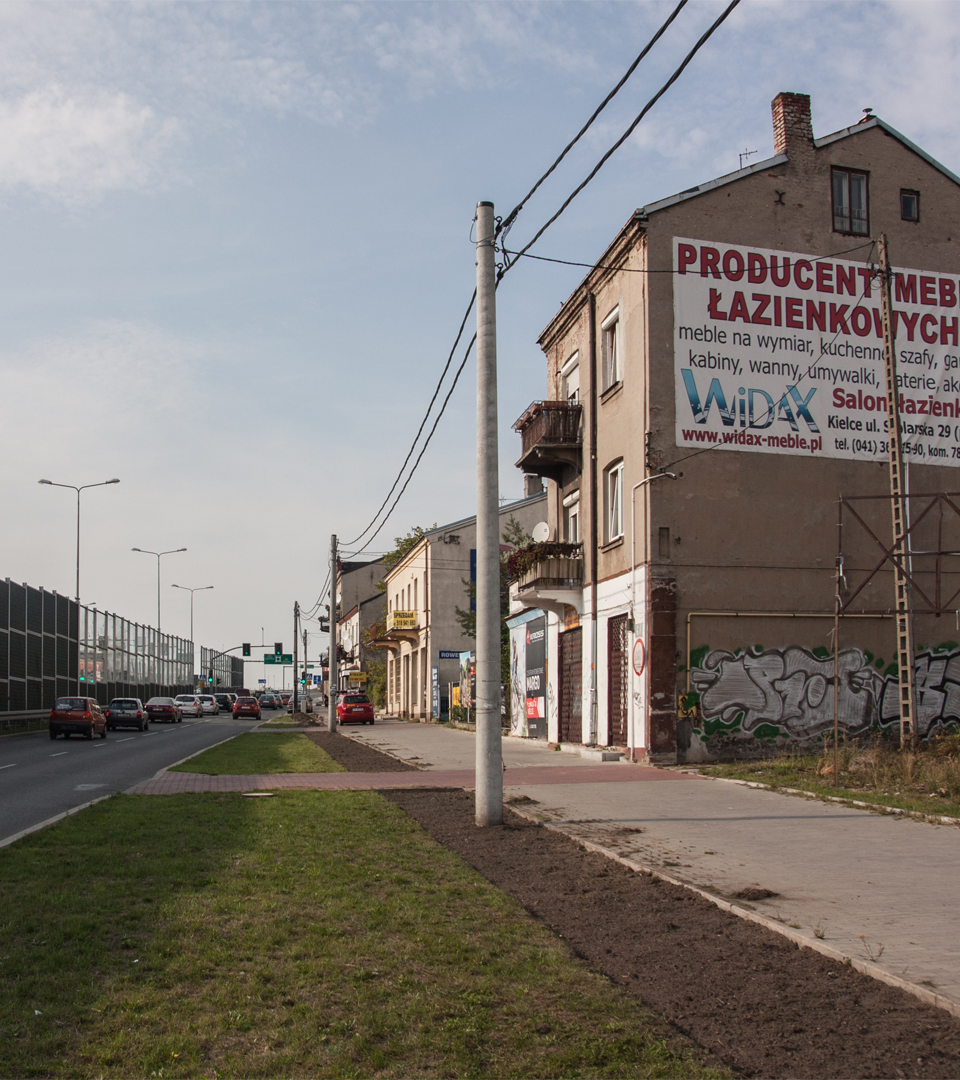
(160, 772)
(928, 997)
(380, 750)
(53, 820)
(879, 808)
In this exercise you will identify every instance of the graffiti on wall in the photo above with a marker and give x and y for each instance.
(787, 695)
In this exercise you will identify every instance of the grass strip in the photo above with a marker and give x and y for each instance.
(313, 934)
(927, 787)
(251, 754)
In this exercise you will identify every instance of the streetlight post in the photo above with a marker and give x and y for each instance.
(172, 551)
(83, 487)
(186, 588)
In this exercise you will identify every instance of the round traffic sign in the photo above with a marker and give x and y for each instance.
(639, 656)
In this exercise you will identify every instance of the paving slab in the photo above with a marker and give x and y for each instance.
(877, 888)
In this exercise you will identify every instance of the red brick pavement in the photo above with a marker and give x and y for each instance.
(173, 783)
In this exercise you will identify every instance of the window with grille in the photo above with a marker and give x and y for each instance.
(850, 210)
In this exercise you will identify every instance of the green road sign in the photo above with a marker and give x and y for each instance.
(273, 658)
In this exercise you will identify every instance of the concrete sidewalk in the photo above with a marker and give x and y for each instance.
(879, 889)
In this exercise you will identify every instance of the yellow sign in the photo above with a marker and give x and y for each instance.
(455, 696)
(402, 620)
(357, 676)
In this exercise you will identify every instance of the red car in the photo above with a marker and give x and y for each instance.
(246, 706)
(77, 716)
(354, 709)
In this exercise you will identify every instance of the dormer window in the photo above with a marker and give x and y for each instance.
(850, 202)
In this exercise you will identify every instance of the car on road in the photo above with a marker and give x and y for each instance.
(209, 703)
(163, 708)
(355, 709)
(269, 701)
(126, 712)
(189, 705)
(246, 706)
(77, 716)
(285, 699)
(225, 701)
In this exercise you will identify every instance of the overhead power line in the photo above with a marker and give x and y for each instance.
(704, 38)
(512, 216)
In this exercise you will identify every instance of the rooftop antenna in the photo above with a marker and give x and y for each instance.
(867, 115)
(745, 155)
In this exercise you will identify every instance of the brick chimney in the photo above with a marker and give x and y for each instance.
(792, 129)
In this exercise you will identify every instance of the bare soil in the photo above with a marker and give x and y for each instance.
(748, 996)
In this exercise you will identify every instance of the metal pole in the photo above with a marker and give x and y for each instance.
(78, 545)
(158, 594)
(901, 536)
(332, 648)
(489, 776)
(296, 643)
(836, 676)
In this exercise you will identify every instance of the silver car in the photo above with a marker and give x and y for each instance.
(126, 712)
(209, 703)
(189, 705)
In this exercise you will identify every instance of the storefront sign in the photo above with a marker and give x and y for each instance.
(402, 620)
(536, 665)
(782, 353)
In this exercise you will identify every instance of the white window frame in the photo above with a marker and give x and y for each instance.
(571, 366)
(610, 348)
(571, 512)
(613, 499)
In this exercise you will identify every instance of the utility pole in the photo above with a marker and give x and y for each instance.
(332, 647)
(307, 696)
(901, 537)
(489, 765)
(296, 642)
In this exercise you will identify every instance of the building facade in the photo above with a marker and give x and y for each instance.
(360, 606)
(714, 441)
(422, 637)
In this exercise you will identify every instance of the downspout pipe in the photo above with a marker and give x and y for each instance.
(594, 517)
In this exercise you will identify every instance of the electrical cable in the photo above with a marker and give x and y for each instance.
(508, 221)
(443, 375)
(704, 38)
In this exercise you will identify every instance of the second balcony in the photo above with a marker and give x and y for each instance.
(551, 438)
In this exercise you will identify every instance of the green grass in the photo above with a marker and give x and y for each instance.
(250, 753)
(313, 934)
(927, 782)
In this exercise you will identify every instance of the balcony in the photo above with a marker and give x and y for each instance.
(551, 439)
(548, 576)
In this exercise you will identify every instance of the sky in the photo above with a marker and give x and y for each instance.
(235, 250)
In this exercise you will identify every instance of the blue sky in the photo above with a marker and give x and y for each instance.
(235, 250)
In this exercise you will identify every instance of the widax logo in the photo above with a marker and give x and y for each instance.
(752, 408)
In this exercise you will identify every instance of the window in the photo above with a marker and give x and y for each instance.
(909, 205)
(570, 379)
(416, 605)
(571, 518)
(610, 348)
(850, 202)
(613, 489)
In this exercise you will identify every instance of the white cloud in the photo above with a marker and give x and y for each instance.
(75, 146)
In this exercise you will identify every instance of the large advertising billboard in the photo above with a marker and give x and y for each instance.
(536, 672)
(782, 353)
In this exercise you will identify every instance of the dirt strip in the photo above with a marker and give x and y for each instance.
(759, 1002)
(356, 756)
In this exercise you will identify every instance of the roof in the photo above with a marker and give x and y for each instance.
(473, 517)
(781, 159)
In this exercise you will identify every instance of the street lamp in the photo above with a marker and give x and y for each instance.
(186, 588)
(172, 551)
(83, 487)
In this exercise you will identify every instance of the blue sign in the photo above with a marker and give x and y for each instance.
(449, 654)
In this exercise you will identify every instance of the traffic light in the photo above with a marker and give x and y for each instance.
(246, 648)
(278, 648)
(210, 676)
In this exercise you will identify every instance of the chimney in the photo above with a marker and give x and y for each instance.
(532, 485)
(792, 129)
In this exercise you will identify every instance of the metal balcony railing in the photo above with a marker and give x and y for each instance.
(553, 566)
(550, 436)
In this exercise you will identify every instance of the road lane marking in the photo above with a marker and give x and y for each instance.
(62, 752)
(8, 766)
(132, 737)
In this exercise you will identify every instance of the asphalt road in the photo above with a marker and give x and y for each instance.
(40, 777)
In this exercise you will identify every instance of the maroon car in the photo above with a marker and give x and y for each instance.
(163, 708)
(77, 716)
(246, 706)
(355, 709)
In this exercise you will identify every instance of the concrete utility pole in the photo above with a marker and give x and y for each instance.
(296, 642)
(332, 647)
(489, 804)
(901, 538)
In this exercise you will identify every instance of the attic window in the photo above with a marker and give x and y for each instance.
(850, 202)
(909, 205)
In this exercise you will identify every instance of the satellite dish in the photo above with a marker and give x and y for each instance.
(541, 532)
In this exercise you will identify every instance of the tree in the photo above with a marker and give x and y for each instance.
(514, 535)
(403, 546)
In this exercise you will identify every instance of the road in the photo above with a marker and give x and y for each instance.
(40, 778)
